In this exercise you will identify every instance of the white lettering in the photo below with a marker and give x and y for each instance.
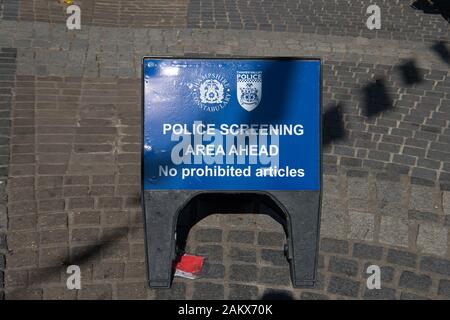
(73, 22)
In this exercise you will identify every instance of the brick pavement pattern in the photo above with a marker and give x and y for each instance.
(325, 17)
(7, 73)
(130, 13)
(71, 100)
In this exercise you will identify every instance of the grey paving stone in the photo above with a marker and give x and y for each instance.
(402, 258)
(358, 205)
(274, 276)
(396, 168)
(330, 186)
(380, 294)
(362, 225)
(274, 257)
(343, 286)
(209, 235)
(242, 292)
(272, 239)
(421, 198)
(447, 220)
(7, 70)
(213, 271)
(208, 291)
(243, 272)
(426, 217)
(10, 10)
(343, 266)
(92, 291)
(3, 245)
(365, 251)
(211, 252)
(241, 236)
(444, 288)
(334, 246)
(414, 281)
(394, 231)
(436, 265)
(358, 187)
(334, 219)
(242, 254)
(313, 296)
(424, 174)
(446, 202)
(411, 296)
(432, 239)
(351, 162)
(422, 182)
(389, 195)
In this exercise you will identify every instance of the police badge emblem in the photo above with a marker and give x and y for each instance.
(211, 92)
(249, 89)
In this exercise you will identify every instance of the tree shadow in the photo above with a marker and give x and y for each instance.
(333, 124)
(107, 241)
(46, 274)
(441, 7)
(376, 98)
(410, 73)
(441, 49)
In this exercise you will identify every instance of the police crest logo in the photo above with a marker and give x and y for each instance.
(212, 92)
(249, 89)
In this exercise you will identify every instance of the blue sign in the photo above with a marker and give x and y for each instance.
(231, 124)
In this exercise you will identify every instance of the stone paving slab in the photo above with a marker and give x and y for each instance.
(139, 13)
(7, 75)
(340, 17)
(321, 17)
(104, 51)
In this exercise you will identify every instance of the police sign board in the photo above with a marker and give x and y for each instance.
(231, 124)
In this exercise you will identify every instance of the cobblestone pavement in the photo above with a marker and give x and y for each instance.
(72, 159)
(7, 71)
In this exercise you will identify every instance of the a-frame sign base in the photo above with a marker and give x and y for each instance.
(162, 210)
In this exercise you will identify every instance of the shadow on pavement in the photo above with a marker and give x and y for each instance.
(441, 49)
(95, 250)
(89, 252)
(277, 295)
(207, 204)
(441, 7)
(410, 73)
(332, 124)
(376, 98)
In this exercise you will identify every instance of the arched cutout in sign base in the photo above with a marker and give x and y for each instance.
(231, 126)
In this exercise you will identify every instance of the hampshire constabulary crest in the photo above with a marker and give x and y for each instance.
(249, 89)
(211, 92)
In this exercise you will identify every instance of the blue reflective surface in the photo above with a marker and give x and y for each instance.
(224, 94)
